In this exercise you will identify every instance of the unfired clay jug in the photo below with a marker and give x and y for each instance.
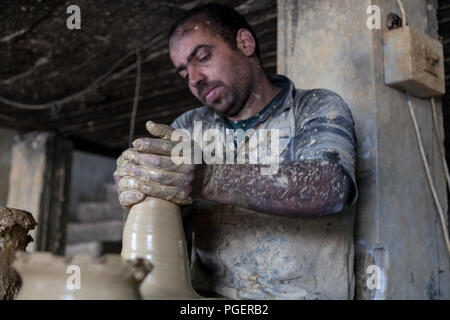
(154, 231)
(49, 277)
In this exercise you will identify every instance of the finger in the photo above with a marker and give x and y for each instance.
(118, 174)
(155, 146)
(159, 130)
(129, 198)
(128, 183)
(121, 158)
(148, 176)
(155, 161)
(131, 189)
(169, 193)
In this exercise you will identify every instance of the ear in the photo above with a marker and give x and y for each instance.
(246, 42)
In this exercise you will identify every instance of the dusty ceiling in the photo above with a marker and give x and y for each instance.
(42, 63)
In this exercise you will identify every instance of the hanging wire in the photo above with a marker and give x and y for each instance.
(428, 172)
(402, 9)
(101, 80)
(136, 97)
(423, 155)
(67, 99)
(441, 141)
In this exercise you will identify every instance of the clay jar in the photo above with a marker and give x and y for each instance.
(154, 231)
(49, 277)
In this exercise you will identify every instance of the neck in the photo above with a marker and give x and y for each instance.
(262, 93)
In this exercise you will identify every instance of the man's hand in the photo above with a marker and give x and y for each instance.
(147, 170)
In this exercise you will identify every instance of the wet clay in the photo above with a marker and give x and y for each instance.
(49, 277)
(14, 227)
(154, 231)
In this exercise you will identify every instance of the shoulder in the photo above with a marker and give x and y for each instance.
(186, 120)
(316, 99)
(320, 103)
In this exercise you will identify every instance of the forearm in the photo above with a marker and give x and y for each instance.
(305, 188)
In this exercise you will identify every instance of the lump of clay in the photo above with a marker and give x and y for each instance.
(14, 227)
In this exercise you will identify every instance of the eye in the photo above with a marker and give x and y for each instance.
(205, 58)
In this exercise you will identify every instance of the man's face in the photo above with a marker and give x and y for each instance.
(216, 74)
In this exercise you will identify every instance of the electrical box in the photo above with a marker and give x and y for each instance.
(414, 62)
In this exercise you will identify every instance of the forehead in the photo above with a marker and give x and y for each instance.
(186, 37)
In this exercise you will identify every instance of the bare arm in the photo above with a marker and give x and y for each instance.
(303, 189)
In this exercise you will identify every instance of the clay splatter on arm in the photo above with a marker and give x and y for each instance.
(303, 189)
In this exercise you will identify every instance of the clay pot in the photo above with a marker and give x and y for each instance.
(49, 277)
(154, 231)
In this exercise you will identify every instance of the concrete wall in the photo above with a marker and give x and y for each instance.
(90, 174)
(39, 183)
(6, 142)
(326, 44)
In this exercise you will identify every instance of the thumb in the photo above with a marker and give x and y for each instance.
(159, 130)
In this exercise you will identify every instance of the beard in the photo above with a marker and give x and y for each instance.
(231, 99)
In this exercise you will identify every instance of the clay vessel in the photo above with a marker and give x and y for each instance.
(154, 231)
(49, 277)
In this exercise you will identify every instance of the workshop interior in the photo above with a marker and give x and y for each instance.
(79, 81)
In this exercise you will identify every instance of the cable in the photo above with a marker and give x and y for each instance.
(60, 102)
(103, 79)
(422, 151)
(136, 97)
(441, 141)
(428, 172)
(402, 9)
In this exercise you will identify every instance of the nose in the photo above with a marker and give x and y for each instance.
(196, 77)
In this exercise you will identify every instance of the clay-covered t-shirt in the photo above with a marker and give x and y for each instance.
(242, 254)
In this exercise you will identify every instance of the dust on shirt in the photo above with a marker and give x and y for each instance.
(243, 254)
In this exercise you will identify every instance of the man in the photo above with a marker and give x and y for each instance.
(251, 238)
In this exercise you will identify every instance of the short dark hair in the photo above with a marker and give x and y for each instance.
(225, 19)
